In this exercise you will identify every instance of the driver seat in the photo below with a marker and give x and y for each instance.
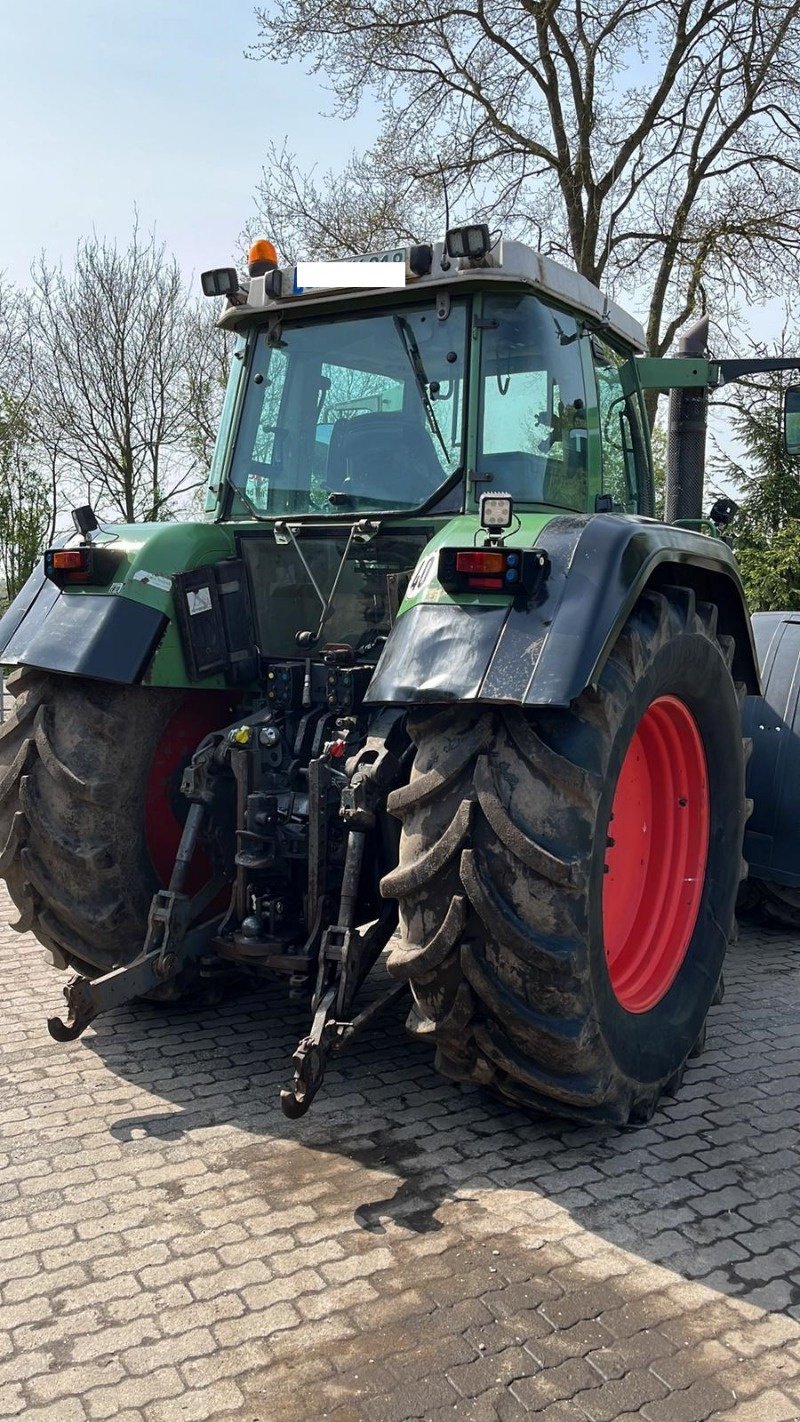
(387, 458)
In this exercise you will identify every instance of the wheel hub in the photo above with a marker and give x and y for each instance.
(656, 854)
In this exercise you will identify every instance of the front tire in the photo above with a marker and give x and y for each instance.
(531, 939)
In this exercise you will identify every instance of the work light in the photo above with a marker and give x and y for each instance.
(222, 281)
(496, 511)
(471, 242)
(85, 521)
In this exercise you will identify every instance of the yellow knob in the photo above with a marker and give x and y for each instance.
(241, 736)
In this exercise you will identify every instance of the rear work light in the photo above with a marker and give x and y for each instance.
(502, 570)
(474, 241)
(221, 281)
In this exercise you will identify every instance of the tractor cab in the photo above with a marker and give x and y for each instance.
(500, 371)
(362, 420)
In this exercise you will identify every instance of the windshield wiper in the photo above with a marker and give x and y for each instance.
(411, 349)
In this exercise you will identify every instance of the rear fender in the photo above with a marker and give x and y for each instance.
(123, 632)
(546, 652)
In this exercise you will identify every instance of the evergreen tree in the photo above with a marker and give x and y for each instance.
(767, 527)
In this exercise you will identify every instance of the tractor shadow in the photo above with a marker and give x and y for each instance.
(710, 1189)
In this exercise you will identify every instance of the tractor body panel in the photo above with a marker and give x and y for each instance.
(107, 638)
(772, 837)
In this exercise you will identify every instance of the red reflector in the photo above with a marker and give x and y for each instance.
(495, 584)
(480, 562)
(70, 558)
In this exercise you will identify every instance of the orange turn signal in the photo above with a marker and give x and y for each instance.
(70, 559)
(478, 562)
(69, 565)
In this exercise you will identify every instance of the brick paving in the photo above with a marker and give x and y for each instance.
(171, 1248)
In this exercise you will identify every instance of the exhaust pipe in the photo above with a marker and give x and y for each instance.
(686, 435)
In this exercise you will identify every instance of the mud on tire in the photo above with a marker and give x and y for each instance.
(75, 757)
(500, 878)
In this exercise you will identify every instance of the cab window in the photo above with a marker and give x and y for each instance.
(533, 437)
(352, 413)
(623, 440)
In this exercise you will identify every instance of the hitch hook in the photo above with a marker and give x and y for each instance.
(81, 1010)
(310, 1061)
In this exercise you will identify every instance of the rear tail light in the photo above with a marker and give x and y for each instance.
(481, 562)
(69, 565)
(90, 563)
(492, 584)
(76, 559)
(498, 570)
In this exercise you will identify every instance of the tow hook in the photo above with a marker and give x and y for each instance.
(346, 956)
(88, 997)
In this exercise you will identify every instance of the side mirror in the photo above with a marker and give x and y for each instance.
(791, 419)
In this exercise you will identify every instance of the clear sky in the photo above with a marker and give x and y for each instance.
(107, 104)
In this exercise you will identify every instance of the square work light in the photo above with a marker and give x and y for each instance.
(496, 511)
(223, 281)
(470, 242)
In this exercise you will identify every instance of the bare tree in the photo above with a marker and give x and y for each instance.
(115, 340)
(207, 369)
(10, 333)
(25, 508)
(651, 143)
(339, 213)
(16, 357)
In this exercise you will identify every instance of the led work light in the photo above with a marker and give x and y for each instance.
(470, 242)
(496, 512)
(85, 521)
(222, 281)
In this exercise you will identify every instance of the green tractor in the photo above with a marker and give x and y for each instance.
(429, 677)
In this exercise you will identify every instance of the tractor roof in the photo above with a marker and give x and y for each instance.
(512, 264)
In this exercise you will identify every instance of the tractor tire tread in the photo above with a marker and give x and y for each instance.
(492, 884)
(74, 758)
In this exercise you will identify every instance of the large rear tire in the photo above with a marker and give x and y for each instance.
(90, 807)
(567, 879)
(776, 904)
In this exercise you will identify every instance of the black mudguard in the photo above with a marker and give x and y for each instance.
(106, 637)
(772, 838)
(547, 651)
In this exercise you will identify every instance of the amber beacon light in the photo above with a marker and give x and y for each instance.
(262, 257)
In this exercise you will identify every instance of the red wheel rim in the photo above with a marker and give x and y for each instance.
(656, 855)
(165, 808)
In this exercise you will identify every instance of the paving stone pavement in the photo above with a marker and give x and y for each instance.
(171, 1248)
